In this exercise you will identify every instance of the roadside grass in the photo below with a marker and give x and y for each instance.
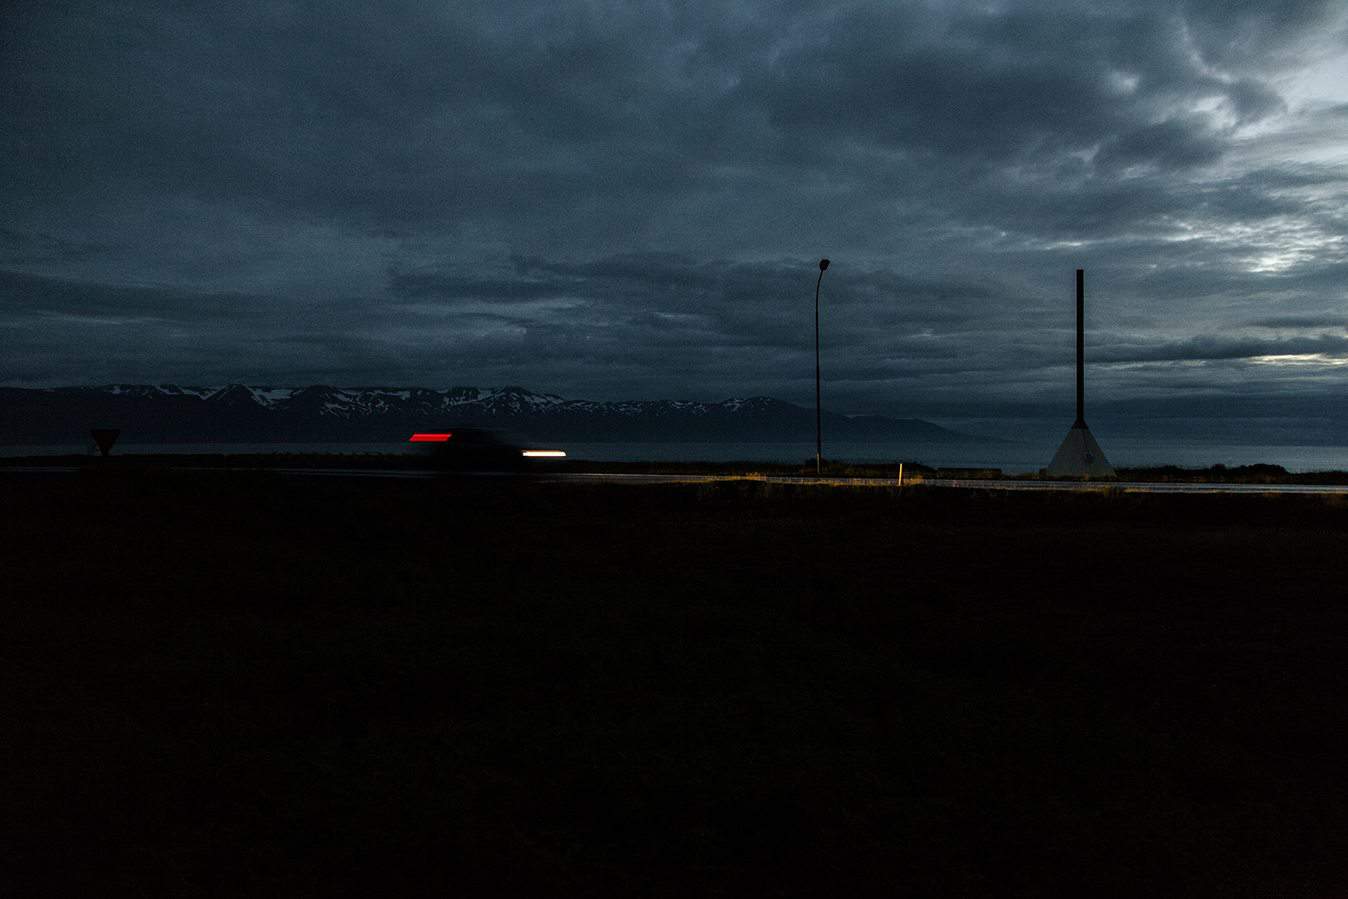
(256, 684)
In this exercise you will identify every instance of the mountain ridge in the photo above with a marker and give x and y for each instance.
(324, 413)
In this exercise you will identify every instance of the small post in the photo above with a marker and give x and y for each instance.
(900, 474)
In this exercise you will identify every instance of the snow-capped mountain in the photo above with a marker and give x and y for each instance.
(318, 413)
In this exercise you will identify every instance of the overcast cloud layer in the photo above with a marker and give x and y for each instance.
(628, 200)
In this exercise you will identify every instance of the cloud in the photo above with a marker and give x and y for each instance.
(1339, 322)
(629, 200)
(1204, 349)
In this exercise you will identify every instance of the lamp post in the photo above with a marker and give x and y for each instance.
(818, 417)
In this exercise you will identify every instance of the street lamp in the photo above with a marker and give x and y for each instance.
(818, 419)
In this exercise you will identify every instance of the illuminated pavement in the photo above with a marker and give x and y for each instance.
(968, 484)
(625, 478)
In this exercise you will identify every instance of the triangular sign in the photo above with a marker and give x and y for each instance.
(104, 438)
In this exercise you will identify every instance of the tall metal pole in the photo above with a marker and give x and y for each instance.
(818, 416)
(1081, 349)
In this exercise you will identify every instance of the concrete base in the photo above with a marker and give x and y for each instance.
(1080, 456)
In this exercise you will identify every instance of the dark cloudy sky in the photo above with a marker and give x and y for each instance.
(621, 200)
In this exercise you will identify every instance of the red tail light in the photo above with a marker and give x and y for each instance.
(430, 438)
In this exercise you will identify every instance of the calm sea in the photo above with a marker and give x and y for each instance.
(1009, 456)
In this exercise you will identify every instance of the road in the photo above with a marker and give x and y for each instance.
(890, 483)
(974, 484)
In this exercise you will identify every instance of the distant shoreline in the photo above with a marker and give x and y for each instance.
(1021, 458)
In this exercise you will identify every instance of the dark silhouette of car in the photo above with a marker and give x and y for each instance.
(480, 449)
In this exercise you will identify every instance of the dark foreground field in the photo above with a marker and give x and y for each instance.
(218, 683)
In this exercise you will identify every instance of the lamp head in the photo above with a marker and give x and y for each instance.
(823, 264)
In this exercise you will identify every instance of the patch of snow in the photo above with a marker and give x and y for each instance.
(269, 396)
(176, 390)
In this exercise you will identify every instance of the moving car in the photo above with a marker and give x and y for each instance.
(479, 449)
